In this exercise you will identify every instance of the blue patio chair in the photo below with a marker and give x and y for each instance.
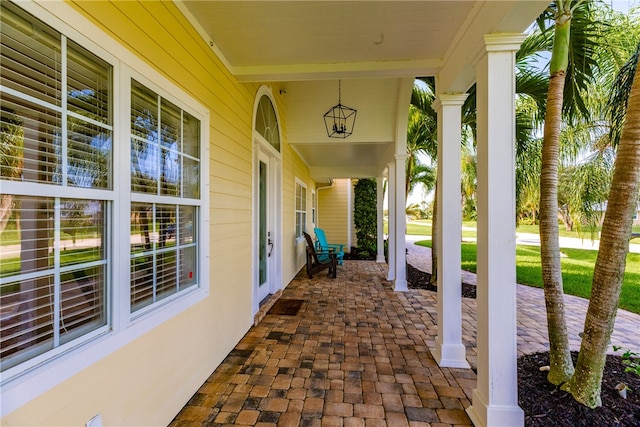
(322, 245)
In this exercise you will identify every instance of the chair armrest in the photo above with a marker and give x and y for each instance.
(338, 247)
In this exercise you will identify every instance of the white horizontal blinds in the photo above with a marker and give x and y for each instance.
(164, 250)
(30, 136)
(31, 96)
(52, 277)
(143, 237)
(56, 122)
(82, 263)
(31, 56)
(89, 121)
(27, 236)
(165, 170)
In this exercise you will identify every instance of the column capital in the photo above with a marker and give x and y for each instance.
(503, 41)
(402, 156)
(449, 99)
(499, 42)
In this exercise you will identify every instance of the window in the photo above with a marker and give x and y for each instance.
(301, 208)
(313, 208)
(165, 165)
(67, 196)
(267, 122)
(56, 169)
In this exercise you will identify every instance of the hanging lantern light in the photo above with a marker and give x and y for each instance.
(339, 120)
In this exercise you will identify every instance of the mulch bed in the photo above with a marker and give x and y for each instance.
(418, 279)
(546, 405)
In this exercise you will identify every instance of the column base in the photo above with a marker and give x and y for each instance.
(400, 286)
(482, 414)
(381, 259)
(450, 355)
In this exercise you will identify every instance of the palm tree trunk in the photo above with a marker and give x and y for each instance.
(561, 366)
(608, 274)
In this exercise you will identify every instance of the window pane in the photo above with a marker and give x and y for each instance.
(166, 274)
(142, 279)
(159, 234)
(171, 170)
(145, 166)
(166, 225)
(188, 273)
(30, 55)
(89, 157)
(303, 222)
(27, 238)
(170, 123)
(144, 112)
(141, 227)
(31, 135)
(82, 231)
(186, 224)
(191, 178)
(26, 329)
(190, 135)
(267, 123)
(89, 84)
(82, 304)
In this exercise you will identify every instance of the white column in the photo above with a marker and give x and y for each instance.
(402, 120)
(380, 200)
(400, 284)
(391, 206)
(449, 350)
(495, 401)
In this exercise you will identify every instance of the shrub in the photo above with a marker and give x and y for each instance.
(365, 213)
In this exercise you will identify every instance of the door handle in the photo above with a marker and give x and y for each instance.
(270, 244)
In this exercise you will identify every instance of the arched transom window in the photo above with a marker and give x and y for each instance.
(267, 122)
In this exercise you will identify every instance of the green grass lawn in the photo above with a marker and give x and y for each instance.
(423, 228)
(577, 271)
(583, 234)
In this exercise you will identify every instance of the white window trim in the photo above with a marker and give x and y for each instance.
(302, 184)
(19, 386)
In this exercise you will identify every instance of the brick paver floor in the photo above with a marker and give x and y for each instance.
(358, 354)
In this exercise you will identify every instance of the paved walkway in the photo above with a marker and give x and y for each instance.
(532, 317)
(358, 354)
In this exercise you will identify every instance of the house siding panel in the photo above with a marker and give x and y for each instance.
(333, 210)
(148, 380)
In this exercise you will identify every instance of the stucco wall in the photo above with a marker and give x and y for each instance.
(148, 380)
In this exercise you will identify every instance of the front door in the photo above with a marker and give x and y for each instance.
(265, 231)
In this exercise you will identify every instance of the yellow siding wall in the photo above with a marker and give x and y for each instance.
(147, 381)
(333, 211)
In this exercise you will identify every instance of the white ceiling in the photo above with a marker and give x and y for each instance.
(375, 48)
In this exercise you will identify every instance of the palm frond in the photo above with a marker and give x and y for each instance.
(585, 37)
(617, 105)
